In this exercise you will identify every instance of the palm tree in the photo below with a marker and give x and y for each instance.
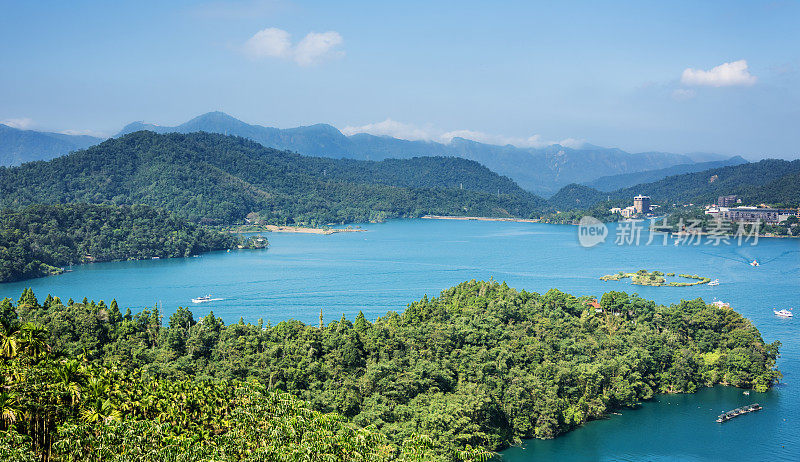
(101, 410)
(34, 339)
(9, 409)
(9, 341)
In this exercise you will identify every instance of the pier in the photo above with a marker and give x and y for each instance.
(738, 411)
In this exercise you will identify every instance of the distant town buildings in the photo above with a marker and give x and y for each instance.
(752, 214)
(727, 201)
(641, 204)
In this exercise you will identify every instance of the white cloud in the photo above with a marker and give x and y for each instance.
(22, 123)
(315, 46)
(681, 94)
(725, 75)
(534, 141)
(412, 132)
(87, 132)
(270, 42)
(572, 143)
(277, 43)
(391, 128)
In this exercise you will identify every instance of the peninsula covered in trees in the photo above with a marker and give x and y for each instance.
(478, 368)
(39, 240)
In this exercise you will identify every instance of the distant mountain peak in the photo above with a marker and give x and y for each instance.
(18, 146)
(542, 170)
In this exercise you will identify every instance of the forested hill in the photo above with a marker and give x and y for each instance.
(625, 180)
(749, 181)
(770, 181)
(216, 178)
(481, 366)
(541, 170)
(37, 240)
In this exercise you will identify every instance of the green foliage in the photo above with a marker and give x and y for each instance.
(35, 241)
(56, 408)
(771, 181)
(482, 366)
(220, 179)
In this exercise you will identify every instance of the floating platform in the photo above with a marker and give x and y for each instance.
(739, 411)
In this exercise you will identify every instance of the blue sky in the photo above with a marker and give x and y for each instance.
(672, 76)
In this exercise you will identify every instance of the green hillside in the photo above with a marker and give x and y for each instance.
(220, 179)
(770, 181)
(481, 366)
(752, 182)
(37, 240)
(625, 180)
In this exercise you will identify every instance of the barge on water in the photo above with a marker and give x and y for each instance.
(739, 411)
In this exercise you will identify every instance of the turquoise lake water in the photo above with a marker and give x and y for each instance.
(399, 261)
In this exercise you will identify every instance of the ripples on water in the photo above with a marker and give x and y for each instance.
(400, 261)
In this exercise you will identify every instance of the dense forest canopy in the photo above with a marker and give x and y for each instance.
(770, 181)
(483, 365)
(37, 240)
(216, 178)
(55, 407)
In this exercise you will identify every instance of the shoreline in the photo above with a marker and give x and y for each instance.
(446, 217)
(302, 230)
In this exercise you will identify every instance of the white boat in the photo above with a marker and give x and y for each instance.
(205, 298)
(783, 313)
(715, 282)
(754, 263)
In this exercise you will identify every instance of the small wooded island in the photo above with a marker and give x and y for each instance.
(477, 369)
(656, 278)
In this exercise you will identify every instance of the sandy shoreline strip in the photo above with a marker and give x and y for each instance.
(516, 220)
(300, 229)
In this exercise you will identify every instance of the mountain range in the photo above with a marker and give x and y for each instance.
(215, 178)
(540, 170)
(626, 180)
(19, 146)
(770, 181)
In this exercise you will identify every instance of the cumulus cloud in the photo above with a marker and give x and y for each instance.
(316, 46)
(412, 132)
(277, 43)
(22, 123)
(725, 75)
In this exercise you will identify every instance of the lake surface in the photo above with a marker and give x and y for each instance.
(397, 262)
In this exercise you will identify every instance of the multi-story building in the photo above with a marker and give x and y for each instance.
(727, 201)
(756, 214)
(641, 204)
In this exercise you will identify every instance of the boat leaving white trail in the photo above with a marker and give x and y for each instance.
(783, 313)
(205, 298)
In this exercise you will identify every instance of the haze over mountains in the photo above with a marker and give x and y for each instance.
(540, 170)
(19, 146)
